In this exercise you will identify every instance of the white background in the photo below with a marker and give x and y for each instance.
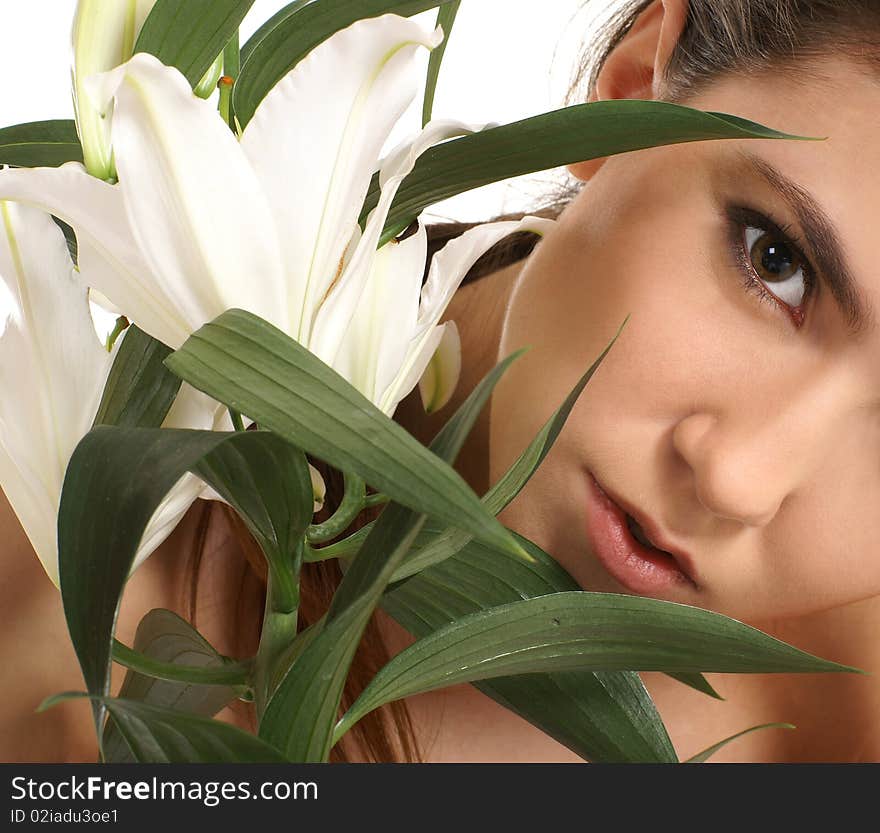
(506, 60)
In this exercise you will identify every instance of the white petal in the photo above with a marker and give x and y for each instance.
(412, 369)
(376, 341)
(337, 310)
(108, 255)
(52, 371)
(315, 140)
(448, 268)
(450, 265)
(440, 378)
(193, 202)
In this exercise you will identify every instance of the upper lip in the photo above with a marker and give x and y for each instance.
(655, 534)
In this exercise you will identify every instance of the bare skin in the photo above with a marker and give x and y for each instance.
(748, 431)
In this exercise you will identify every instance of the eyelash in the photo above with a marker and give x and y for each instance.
(739, 218)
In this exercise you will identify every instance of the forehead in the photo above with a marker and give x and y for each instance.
(830, 98)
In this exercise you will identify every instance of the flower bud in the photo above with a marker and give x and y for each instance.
(104, 34)
(319, 488)
(206, 87)
(438, 382)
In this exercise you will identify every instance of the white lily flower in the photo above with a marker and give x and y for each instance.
(52, 371)
(200, 222)
(103, 37)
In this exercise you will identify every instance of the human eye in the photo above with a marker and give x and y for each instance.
(771, 260)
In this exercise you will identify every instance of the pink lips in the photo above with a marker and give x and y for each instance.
(641, 569)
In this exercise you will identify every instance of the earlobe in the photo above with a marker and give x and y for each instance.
(635, 67)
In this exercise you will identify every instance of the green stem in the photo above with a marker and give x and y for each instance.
(351, 505)
(236, 419)
(224, 103)
(376, 499)
(231, 673)
(231, 70)
(279, 625)
(346, 548)
(121, 323)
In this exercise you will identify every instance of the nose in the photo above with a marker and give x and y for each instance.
(745, 462)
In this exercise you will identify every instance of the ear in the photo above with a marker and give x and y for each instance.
(635, 66)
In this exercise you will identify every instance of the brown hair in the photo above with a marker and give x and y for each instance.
(721, 37)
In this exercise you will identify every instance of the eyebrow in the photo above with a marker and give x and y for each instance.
(824, 241)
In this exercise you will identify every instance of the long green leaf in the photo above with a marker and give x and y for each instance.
(190, 34)
(39, 144)
(114, 482)
(165, 640)
(445, 19)
(256, 369)
(707, 753)
(549, 140)
(581, 630)
(289, 35)
(139, 390)
(142, 663)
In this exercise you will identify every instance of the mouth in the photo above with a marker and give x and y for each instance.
(631, 547)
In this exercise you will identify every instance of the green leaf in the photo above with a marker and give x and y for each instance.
(160, 735)
(580, 630)
(142, 663)
(289, 35)
(268, 484)
(707, 753)
(511, 482)
(697, 682)
(604, 717)
(139, 390)
(190, 34)
(114, 482)
(445, 19)
(40, 144)
(164, 643)
(549, 140)
(255, 368)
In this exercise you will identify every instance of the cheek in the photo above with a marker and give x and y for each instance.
(571, 298)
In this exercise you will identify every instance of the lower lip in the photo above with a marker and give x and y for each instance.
(638, 568)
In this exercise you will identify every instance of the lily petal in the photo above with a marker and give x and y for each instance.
(315, 140)
(378, 336)
(108, 255)
(448, 268)
(336, 312)
(52, 370)
(192, 200)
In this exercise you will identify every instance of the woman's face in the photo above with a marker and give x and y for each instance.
(744, 424)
